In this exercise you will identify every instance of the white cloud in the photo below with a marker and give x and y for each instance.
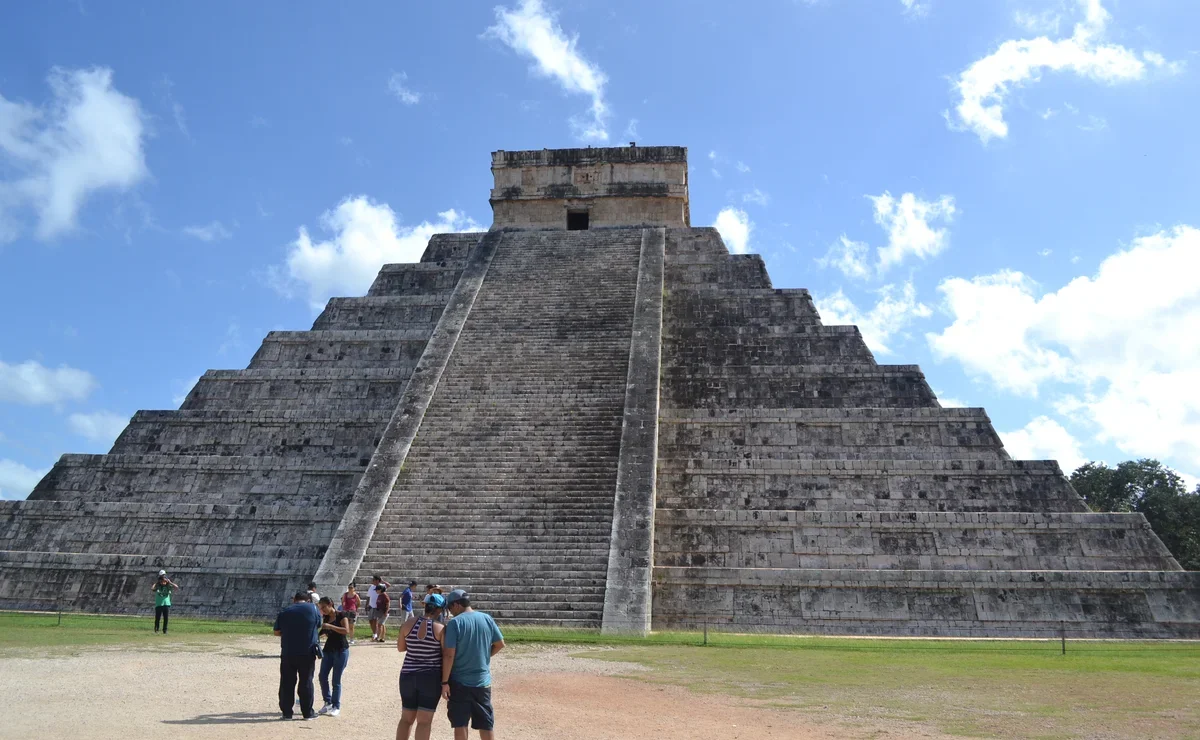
(983, 86)
(397, 84)
(1044, 439)
(364, 236)
(848, 256)
(34, 384)
(1121, 347)
(735, 226)
(87, 139)
(534, 32)
(757, 197)
(742, 167)
(212, 232)
(100, 426)
(257, 121)
(907, 220)
(915, 7)
(1047, 21)
(890, 315)
(1095, 123)
(17, 480)
(631, 131)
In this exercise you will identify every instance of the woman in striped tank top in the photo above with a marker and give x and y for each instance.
(421, 677)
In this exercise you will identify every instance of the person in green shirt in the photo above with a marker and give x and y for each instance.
(162, 589)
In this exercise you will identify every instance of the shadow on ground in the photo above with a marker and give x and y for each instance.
(228, 718)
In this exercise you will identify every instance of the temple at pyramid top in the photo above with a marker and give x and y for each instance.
(579, 189)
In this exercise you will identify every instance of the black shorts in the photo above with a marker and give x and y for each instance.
(470, 703)
(421, 691)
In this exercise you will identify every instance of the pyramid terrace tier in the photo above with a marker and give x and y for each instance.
(210, 585)
(253, 434)
(826, 433)
(450, 249)
(341, 348)
(416, 278)
(792, 386)
(738, 271)
(388, 312)
(168, 529)
(767, 345)
(870, 485)
(785, 310)
(350, 392)
(942, 603)
(908, 541)
(232, 481)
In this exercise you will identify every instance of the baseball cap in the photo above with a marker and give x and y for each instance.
(456, 595)
(162, 572)
(435, 600)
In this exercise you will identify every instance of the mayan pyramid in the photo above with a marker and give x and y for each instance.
(591, 415)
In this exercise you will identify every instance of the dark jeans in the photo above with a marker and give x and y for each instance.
(333, 661)
(162, 612)
(291, 669)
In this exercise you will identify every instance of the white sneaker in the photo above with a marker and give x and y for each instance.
(324, 710)
(374, 636)
(334, 712)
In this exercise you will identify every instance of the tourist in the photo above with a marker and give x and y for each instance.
(372, 599)
(406, 600)
(350, 604)
(336, 626)
(162, 589)
(420, 690)
(297, 628)
(313, 596)
(383, 605)
(433, 588)
(470, 640)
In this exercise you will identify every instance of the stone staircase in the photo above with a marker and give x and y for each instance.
(508, 488)
(239, 492)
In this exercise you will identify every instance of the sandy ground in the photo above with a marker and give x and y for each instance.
(228, 690)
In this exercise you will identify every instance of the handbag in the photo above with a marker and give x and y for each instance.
(317, 652)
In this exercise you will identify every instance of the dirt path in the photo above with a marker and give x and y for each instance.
(227, 690)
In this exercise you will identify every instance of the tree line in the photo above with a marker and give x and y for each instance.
(1155, 491)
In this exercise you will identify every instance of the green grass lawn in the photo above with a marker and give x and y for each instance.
(984, 688)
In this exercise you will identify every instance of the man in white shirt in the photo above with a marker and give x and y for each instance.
(312, 592)
(373, 604)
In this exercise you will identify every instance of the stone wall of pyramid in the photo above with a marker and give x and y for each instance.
(804, 488)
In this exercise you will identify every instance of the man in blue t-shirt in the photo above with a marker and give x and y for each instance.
(406, 601)
(297, 628)
(469, 642)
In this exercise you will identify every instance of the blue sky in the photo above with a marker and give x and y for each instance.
(1001, 191)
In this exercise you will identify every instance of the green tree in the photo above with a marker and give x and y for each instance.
(1153, 490)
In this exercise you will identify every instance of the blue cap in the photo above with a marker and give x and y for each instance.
(456, 595)
(435, 600)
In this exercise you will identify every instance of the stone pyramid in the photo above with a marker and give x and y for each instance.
(591, 415)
